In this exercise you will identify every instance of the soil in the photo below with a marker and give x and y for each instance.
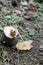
(31, 57)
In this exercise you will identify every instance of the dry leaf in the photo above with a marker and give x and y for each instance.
(25, 45)
(13, 33)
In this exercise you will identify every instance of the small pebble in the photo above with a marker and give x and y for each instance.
(41, 48)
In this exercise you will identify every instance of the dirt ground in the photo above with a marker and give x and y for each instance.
(17, 57)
